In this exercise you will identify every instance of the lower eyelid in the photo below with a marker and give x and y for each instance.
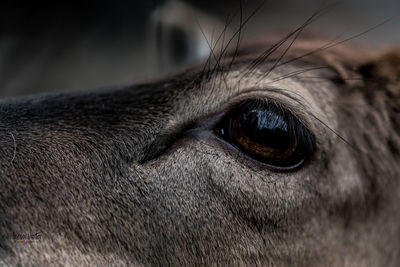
(241, 157)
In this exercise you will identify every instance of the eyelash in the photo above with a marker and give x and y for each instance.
(296, 131)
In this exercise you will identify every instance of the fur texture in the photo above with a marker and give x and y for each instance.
(133, 175)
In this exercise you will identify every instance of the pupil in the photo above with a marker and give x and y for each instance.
(267, 128)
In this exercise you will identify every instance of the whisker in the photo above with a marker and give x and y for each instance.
(222, 34)
(237, 32)
(333, 43)
(315, 16)
(336, 133)
(259, 60)
(298, 72)
(239, 35)
(255, 63)
(330, 78)
(241, 26)
(212, 52)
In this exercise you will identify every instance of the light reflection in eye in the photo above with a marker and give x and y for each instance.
(267, 133)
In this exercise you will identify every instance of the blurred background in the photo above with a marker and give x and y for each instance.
(62, 46)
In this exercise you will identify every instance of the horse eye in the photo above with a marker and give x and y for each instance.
(267, 133)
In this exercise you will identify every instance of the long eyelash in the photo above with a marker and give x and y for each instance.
(297, 128)
(228, 21)
(321, 121)
(296, 33)
(210, 72)
(296, 36)
(206, 72)
(239, 35)
(241, 27)
(325, 47)
(330, 45)
(213, 54)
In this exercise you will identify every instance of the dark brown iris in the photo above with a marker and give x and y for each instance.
(267, 133)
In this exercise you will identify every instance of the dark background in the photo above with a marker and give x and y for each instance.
(59, 46)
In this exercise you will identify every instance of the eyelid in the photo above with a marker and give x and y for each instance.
(285, 98)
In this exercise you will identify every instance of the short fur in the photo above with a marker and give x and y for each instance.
(131, 175)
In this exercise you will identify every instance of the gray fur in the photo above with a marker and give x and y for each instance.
(129, 175)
